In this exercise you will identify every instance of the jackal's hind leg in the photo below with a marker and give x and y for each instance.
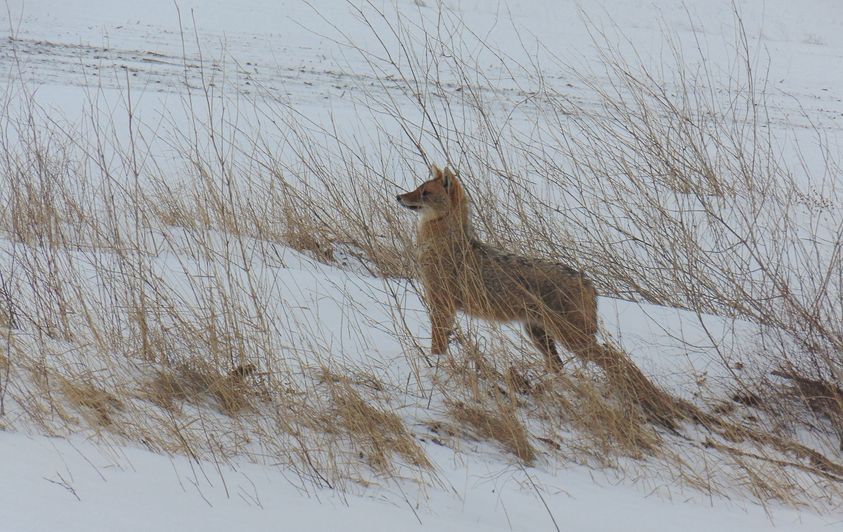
(544, 342)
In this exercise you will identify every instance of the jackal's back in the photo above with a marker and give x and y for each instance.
(493, 284)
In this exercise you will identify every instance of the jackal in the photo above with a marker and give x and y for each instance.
(553, 301)
(459, 272)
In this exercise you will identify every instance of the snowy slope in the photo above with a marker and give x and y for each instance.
(74, 485)
(79, 484)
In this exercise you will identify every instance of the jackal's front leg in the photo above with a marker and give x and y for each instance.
(442, 315)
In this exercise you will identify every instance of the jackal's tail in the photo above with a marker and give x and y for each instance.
(627, 379)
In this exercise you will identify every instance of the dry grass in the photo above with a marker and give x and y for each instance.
(167, 288)
(615, 426)
(97, 404)
(197, 382)
(378, 434)
(500, 425)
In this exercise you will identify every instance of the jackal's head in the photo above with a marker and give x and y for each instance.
(441, 196)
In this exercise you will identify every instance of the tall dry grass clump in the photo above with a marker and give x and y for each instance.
(170, 308)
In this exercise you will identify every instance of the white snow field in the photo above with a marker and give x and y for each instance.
(156, 73)
(57, 484)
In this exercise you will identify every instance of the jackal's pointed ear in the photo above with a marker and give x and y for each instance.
(448, 178)
(435, 172)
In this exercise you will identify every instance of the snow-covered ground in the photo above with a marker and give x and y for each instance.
(68, 52)
(56, 484)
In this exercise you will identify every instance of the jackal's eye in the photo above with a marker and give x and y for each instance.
(425, 193)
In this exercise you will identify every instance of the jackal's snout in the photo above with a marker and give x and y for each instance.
(406, 201)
